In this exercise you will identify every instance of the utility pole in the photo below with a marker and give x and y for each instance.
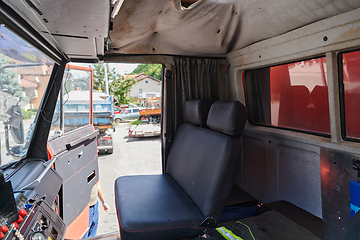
(106, 80)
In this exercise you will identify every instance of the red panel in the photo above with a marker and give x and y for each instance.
(299, 96)
(78, 228)
(351, 73)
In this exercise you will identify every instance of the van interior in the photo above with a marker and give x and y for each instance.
(260, 104)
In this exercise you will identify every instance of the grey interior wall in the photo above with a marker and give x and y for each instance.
(274, 169)
(278, 164)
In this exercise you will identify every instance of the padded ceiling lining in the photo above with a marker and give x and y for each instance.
(205, 28)
(78, 27)
(212, 27)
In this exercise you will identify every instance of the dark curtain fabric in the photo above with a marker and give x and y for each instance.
(194, 78)
(258, 99)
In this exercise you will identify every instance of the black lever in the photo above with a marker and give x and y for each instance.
(356, 166)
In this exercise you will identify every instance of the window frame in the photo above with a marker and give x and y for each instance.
(342, 95)
(279, 127)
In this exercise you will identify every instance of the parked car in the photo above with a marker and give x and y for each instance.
(117, 110)
(128, 113)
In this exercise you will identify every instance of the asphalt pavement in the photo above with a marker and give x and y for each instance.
(132, 156)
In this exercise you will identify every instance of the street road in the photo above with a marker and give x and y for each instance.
(132, 156)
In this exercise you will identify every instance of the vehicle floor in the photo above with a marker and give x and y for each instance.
(279, 220)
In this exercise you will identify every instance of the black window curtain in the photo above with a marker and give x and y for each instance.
(194, 78)
(257, 92)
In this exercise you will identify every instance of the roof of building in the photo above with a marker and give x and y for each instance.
(141, 76)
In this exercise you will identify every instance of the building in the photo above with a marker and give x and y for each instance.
(34, 81)
(145, 87)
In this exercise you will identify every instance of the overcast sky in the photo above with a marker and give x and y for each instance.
(123, 68)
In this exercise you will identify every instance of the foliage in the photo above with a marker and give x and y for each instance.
(153, 70)
(118, 86)
(71, 83)
(136, 122)
(9, 81)
(82, 83)
(27, 114)
(99, 76)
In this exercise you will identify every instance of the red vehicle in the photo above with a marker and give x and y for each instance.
(117, 110)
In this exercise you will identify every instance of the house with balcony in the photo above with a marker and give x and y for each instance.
(145, 87)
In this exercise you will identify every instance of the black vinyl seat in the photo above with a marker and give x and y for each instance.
(200, 169)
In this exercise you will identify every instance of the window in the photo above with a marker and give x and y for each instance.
(135, 110)
(76, 100)
(23, 83)
(140, 91)
(146, 82)
(350, 91)
(293, 96)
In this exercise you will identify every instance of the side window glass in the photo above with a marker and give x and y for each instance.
(135, 110)
(351, 94)
(75, 101)
(293, 96)
(24, 76)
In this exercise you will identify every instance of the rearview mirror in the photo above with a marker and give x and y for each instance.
(16, 124)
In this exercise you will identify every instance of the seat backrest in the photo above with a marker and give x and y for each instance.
(203, 161)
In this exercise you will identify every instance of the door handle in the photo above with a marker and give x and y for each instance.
(80, 153)
(89, 136)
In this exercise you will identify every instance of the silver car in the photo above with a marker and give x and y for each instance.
(128, 113)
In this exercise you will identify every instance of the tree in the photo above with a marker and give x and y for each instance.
(118, 85)
(120, 88)
(82, 83)
(153, 70)
(9, 81)
(99, 75)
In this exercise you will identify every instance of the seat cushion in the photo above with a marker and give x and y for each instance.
(196, 112)
(203, 164)
(155, 207)
(227, 117)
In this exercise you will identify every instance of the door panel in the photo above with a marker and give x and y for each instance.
(77, 164)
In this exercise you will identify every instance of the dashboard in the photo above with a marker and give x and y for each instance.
(28, 201)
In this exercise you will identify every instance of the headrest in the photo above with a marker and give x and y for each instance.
(196, 111)
(227, 117)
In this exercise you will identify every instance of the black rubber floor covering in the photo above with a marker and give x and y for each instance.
(273, 225)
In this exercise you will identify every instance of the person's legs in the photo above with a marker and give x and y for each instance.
(93, 221)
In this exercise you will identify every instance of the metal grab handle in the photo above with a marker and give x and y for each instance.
(77, 141)
(37, 181)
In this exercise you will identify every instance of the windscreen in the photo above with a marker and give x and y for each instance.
(24, 75)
